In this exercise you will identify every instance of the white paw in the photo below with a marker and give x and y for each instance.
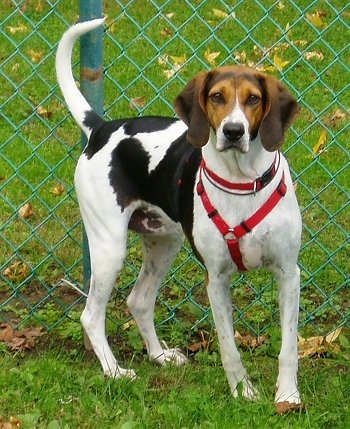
(291, 396)
(172, 356)
(120, 373)
(248, 391)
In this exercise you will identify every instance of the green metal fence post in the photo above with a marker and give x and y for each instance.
(91, 79)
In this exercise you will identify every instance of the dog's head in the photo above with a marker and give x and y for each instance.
(237, 102)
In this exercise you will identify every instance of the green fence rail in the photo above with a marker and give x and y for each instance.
(150, 50)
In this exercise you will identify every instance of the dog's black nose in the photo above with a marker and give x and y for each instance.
(233, 131)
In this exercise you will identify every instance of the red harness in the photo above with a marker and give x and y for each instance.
(232, 235)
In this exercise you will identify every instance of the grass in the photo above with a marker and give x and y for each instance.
(39, 148)
(53, 387)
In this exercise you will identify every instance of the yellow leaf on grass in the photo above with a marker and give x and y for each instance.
(313, 54)
(211, 56)
(240, 56)
(330, 338)
(220, 13)
(279, 63)
(35, 56)
(321, 144)
(316, 19)
(178, 60)
(19, 29)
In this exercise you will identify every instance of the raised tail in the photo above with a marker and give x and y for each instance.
(76, 102)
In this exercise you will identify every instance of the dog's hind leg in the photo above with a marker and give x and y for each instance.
(158, 254)
(107, 253)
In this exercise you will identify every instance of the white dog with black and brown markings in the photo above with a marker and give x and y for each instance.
(217, 177)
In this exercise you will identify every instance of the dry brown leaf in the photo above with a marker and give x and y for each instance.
(41, 111)
(316, 19)
(137, 102)
(211, 56)
(58, 189)
(319, 345)
(17, 271)
(286, 407)
(249, 341)
(6, 332)
(26, 211)
(19, 340)
(200, 345)
(321, 144)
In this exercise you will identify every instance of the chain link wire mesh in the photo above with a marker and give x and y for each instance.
(150, 50)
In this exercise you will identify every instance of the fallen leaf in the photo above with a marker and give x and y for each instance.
(19, 29)
(200, 345)
(280, 5)
(165, 32)
(286, 407)
(316, 19)
(220, 13)
(17, 271)
(35, 56)
(313, 54)
(249, 341)
(6, 332)
(319, 345)
(58, 189)
(137, 102)
(26, 211)
(211, 56)
(321, 144)
(170, 15)
(240, 56)
(337, 117)
(279, 63)
(41, 111)
(19, 340)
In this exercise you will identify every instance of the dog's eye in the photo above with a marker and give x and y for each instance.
(217, 97)
(253, 99)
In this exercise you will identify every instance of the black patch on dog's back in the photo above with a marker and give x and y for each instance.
(131, 180)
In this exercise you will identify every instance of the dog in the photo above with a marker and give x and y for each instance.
(215, 176)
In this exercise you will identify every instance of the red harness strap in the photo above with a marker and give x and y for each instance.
(232, 235)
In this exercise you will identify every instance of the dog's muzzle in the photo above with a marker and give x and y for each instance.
(234, 137)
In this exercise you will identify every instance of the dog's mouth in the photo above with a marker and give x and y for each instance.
(242, 145)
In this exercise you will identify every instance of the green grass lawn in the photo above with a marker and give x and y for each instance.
(59, 388)
(148, 56)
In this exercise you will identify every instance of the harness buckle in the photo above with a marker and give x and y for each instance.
(230, 235)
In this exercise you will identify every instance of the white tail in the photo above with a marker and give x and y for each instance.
(76, 102)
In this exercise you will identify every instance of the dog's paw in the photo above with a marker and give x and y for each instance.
(291, 396)
(248, 391)
(171, 356)
(120, 373)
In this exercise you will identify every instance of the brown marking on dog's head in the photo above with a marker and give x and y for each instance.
(210, 97)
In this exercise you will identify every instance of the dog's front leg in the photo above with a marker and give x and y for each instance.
(289, 290)
(221, 304)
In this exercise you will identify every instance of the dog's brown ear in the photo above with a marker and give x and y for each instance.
(281, 110)
(190, 107)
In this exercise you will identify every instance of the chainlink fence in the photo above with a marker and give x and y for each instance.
(150, 50)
